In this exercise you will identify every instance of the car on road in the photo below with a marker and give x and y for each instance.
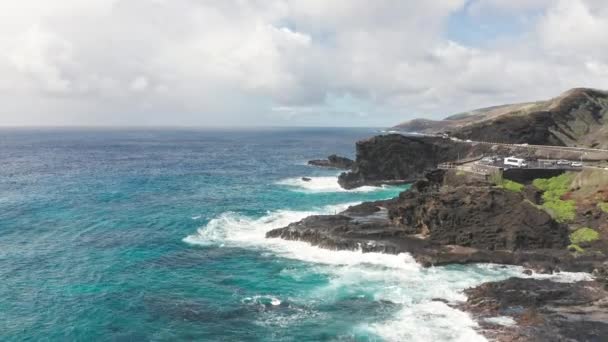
(517, 162)
(576, 164)
(563, 162)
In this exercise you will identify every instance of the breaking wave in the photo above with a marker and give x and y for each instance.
(396, 279)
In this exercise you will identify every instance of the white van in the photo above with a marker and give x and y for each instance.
(517, 162)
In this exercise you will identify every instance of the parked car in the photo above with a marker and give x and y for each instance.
(563, 162)
(577, 164)
(518, 162)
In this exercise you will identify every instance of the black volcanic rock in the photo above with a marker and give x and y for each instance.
(333, 161)
(441, 225)
(395, 158)
(544, 310)
(479, 217)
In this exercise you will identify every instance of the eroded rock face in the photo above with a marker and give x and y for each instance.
(576, 118)
(543, 310)
(398, 158)
(333, 161)
(439, 221)
(372, 233)
(479, 217)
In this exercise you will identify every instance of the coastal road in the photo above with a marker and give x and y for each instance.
(586, 152)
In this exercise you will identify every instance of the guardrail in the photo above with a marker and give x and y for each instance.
(564, 148)
(446, 166)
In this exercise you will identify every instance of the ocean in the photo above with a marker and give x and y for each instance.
(158, 235)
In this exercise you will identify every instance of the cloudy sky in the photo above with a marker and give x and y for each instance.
(289, 62)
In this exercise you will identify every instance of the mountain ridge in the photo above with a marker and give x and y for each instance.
(577, 117)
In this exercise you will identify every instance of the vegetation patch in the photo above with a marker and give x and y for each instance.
(576, 248)
(506, 184)
(561, 211)
(603, 206)
(584, 235)
(511, 185)
(553, 191)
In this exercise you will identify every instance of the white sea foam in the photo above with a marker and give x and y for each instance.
(429, 321)
(501, 320)
(383, 277)
(321, 184)
(232, 229)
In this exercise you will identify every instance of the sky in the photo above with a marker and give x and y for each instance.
(289, 62)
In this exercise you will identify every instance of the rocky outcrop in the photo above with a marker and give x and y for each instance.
(333, 161)
(543, 310)
(449, 219)
(439, 223)
(479, 217)
(395, 158)
(376, 233)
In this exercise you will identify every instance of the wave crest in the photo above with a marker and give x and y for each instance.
(393, 278)
(321, 184)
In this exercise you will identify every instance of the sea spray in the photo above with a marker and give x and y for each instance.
(383, 278)
(321, 184)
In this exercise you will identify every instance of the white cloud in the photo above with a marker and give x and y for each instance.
(232, 61)
(139, 84)
(483, 6)
(42, 56)
(576, 29)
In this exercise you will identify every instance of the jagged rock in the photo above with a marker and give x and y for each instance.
(479, 217)
(395, 158)
(544, 310)
(306, 179)
(444, 225)
(333, 161)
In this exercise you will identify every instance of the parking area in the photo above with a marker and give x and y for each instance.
(514, 162)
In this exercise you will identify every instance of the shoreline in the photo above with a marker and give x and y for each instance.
(368, 227)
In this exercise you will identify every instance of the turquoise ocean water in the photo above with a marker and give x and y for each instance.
(158, 235)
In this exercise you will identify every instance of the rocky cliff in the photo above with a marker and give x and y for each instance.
(543, 310)
(449, 217)
(578, 117)
(480, 217)
(397, 158)
(440, 223)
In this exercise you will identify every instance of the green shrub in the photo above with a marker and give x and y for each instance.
(576, 248)
(603, 206)
(559, 183)
(553, 189)
(511, 185)
(583, 235)
(561, 211)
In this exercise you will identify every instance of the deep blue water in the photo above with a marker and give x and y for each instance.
(137, 235)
